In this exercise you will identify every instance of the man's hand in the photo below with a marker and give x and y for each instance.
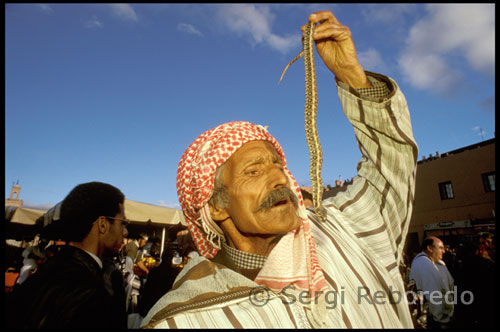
(336, 48)
(141, 269)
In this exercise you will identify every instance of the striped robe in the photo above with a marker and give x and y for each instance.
(358, 248)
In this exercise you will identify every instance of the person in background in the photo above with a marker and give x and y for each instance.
(160, 280)
(134, 250)
(450, 260)
(190, 253)
(480, 279)
(135, 271)
(435, 281)
(486, 248)
(68, 290)
(115, 285)
(33, 256)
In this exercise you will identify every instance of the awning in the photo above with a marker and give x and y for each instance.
(138, 212)
(23, 216)
(21, 223)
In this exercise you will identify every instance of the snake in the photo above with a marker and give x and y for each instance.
(310, 118)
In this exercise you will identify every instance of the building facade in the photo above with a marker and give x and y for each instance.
(454, 195)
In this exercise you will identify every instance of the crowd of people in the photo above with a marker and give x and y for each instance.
(438, 267)
(260, 258)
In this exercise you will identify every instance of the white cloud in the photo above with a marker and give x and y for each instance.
(124, 11)
(371, 60)
(189, 28)
(466, 31)
(429, 71)
(255, 21)
(169, 204)
(480, 132)
(44, 7)
(391, 14)
(93, 22)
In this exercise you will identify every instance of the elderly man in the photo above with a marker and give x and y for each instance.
(69, 290)
(265, 260)
(435, 282)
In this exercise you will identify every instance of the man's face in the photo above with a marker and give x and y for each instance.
(436, 250)
(116, 232)
(250, 175)
(142, 242)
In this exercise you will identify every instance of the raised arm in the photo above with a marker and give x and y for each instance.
(378, 206)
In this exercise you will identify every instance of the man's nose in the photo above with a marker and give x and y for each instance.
(279, 178)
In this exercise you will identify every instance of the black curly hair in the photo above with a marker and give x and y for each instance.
(84, 204)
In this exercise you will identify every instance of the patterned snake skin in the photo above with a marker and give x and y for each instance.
(311, 110)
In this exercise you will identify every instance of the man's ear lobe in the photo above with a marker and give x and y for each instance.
(217, 213)
(102, 224)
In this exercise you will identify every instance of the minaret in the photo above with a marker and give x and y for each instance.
(14, 200)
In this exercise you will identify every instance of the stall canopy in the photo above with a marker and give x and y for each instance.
(25, 222)
(21, 223)
(137, 212)
(23, 216)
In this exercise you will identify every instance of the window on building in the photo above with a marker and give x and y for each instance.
(489, 181)
(446, 190)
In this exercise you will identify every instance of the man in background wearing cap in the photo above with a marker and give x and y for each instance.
(68, 290)
(265, 260)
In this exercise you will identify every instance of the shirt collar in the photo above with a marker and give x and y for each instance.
(97, 259)
(244, 260)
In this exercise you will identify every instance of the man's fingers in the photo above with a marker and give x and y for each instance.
(329, 26)
(323, 16)
(334, 31)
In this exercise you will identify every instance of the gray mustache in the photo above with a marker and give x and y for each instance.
(277, 195)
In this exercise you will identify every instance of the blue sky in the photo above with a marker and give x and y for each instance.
(117, 92)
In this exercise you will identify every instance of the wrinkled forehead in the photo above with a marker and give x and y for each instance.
(254, 152)
(237, 135)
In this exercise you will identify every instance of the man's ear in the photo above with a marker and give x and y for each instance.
(102, 224)
(217, 213)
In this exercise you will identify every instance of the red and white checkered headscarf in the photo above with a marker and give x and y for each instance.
(195, 183)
